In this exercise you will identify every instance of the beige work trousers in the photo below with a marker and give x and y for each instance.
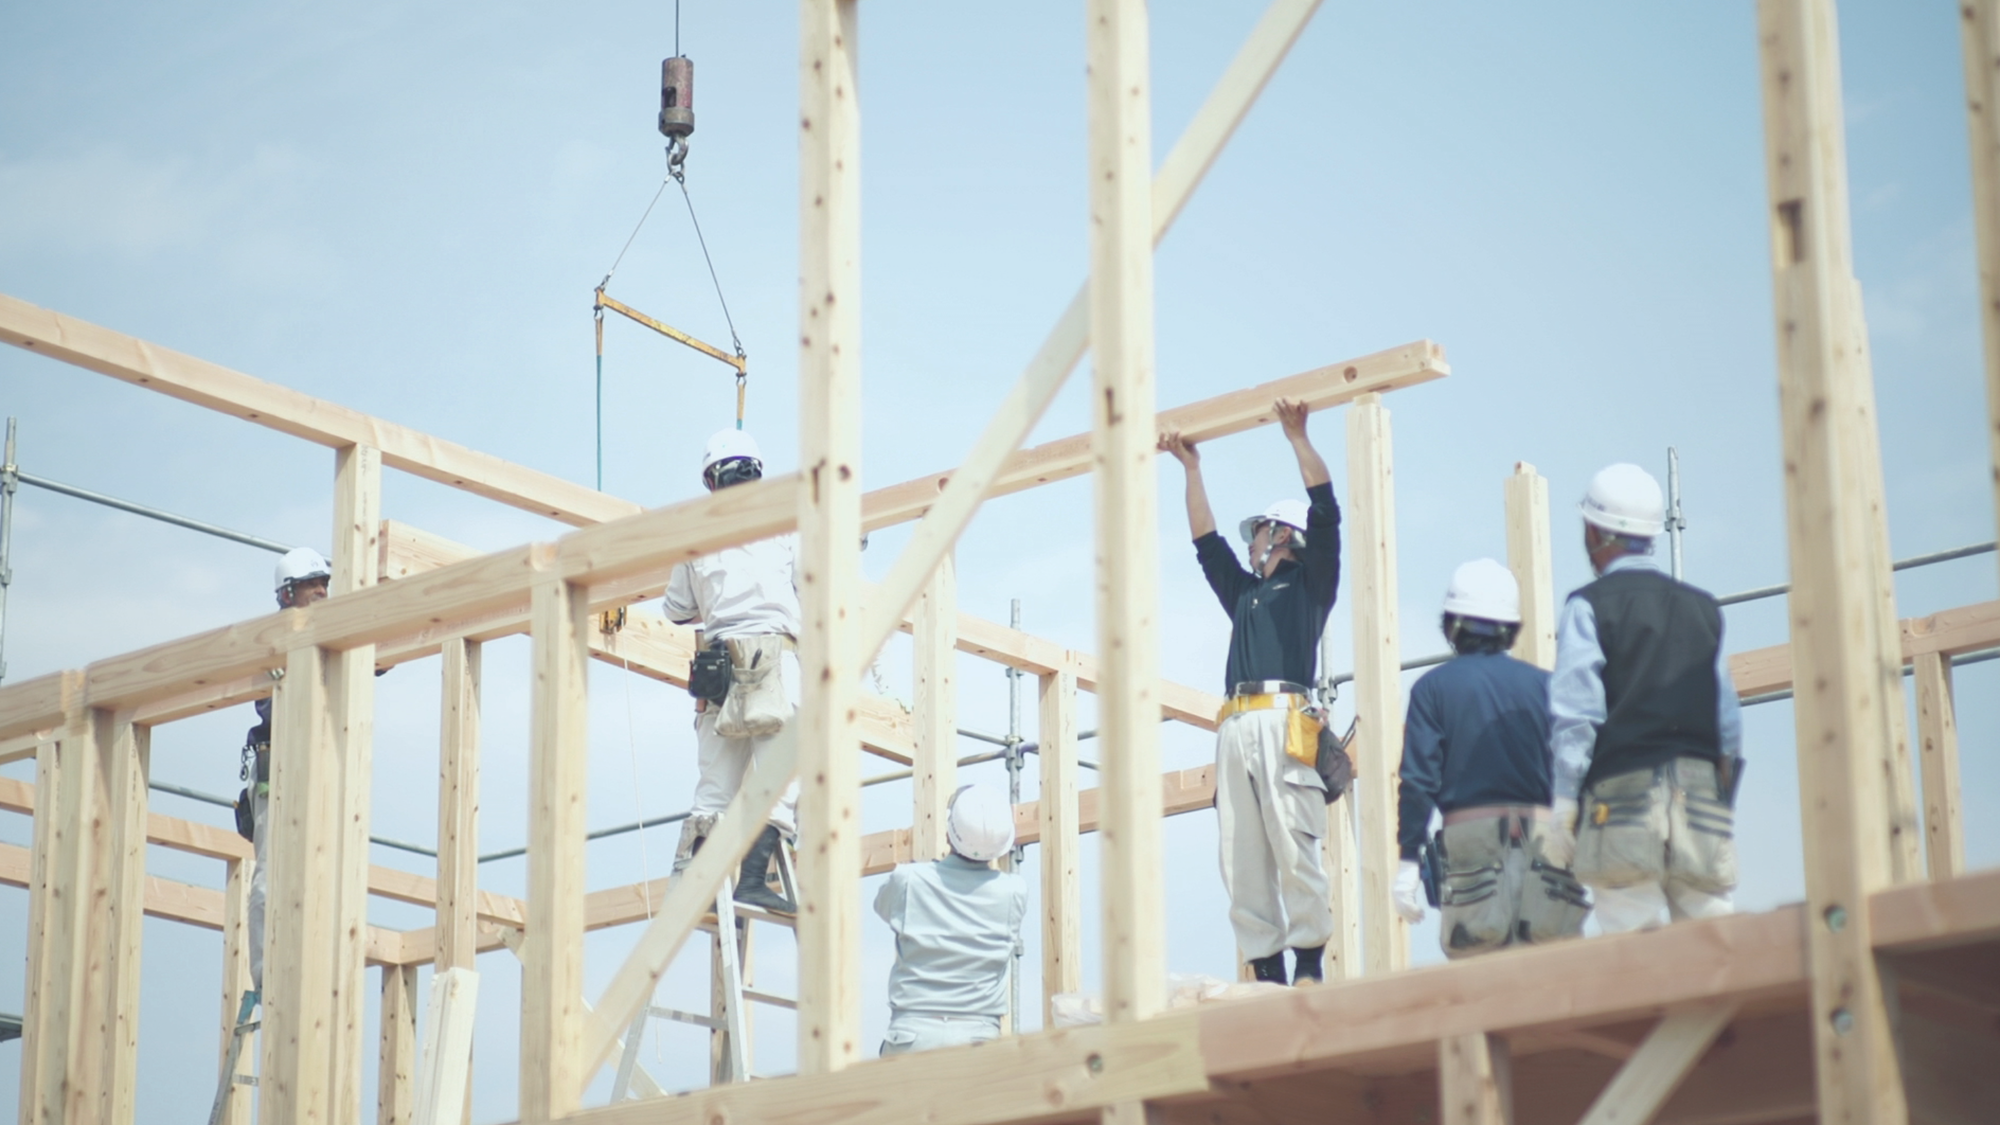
(1272, 813)
(1657, 841)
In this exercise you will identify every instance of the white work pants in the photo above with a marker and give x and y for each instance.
(1620, 910)
(260, 819)
(1272, 813)
(723, 762)
(926, 1031)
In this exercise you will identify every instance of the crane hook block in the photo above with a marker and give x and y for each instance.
(677, 97)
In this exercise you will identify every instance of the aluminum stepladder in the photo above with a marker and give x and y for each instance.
(230, 1079)
(729, 994)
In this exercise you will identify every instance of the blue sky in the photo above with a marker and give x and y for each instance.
(404, 209)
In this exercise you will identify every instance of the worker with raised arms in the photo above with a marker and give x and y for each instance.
(745, 673)
(1645, 724)
(1269, 797)
(1476, 749)
(957, 922)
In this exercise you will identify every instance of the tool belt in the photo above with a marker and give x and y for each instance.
(1302, 728)
(1488, 812)
(754, 704)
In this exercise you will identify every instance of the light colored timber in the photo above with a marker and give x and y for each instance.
(934, 775)
(1339, 850)
(1057, 827)
(444, 1082)
(65, 1037)
(1937, 733)
(1979, 38)
(357, 528)
(235, 980)
(1378, 678)
(458, 807)
(1474, 1083)
(1123, 436)
(22, 746)
(396, 1067)
(1947, 633)
(1533, 562)
(1657, 1067)
(129, 767)
(1835, 592)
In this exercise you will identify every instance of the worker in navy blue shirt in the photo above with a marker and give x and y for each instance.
(1476, 749)
(1269, 799)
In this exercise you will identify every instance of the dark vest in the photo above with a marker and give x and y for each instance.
(1660, 639)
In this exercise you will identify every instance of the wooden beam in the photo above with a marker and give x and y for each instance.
(1533, 563)
(1979, 36)
(1058, 829)
(130, 765)
(552, 971)
(934, 773)
(1937, 732)
(1948, 632)
(1834, 596)
(357, 528)
(396, 1069)
(1474, 1080)
(458, 808)
(235, 981)
(1338, 848)
(1378, 677)
(1127, 506)
(1655, 1070)
(444, 1084)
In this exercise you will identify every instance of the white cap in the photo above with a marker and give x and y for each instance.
(299, 564)
(1625, 499)
(1291, 513)
(724, 445)
(1484, 589)
(981, 823)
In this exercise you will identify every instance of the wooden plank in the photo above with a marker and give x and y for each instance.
(23, 746)
(552, 971)
(130, 764)
(36, 1001)
(235, 980)
(1834, 597)
(1533, 563)
(38, 706)
(1057, 828)
(1339, 851)
(1948, 632)
(1474, 1081)
(1655, 1070)
(444, 1084)
(934, 773)
(1378, 678)
(1937, 732)
(1127, 506)
(1979, 37)
(396, 1069)
(357, 528)
(458, 808)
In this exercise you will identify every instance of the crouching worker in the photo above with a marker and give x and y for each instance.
(745, 678)
(957, 922)
(1646, 724)
(1476, 748)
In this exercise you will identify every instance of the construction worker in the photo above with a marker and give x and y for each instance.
(1476, 748)
(1269, 798)
(301, 579)
(957, 923)
(1646, 729)
(745, 678)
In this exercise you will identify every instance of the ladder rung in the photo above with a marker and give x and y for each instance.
(246, 1080)
(709, 1022)
(752, 994)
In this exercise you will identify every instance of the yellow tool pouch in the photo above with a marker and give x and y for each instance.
(1302, 735)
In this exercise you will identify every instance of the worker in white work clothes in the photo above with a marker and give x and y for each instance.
(1269, 798)
(1645, 725)
(745, 673)
(301, 579)
(1476, 749)
(957, 923)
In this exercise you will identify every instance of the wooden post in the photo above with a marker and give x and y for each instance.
(1127, 505)
(829, 927)
(1530, 558)
(1062, 907)
(1650, 1076)
(935, 771)
(1337, 851)
(558, 769)
(443, 1083)
(396, 1070)
(458, 808)
(1835, 594)
(37, 1002)
(235, 979)
(1378, 676)
(1475, 1080)
(357, 529)
(1937, 728)
(129, 767)
(1980, 37)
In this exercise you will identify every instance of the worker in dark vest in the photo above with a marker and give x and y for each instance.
(1270, 800)
(1645, 725)
(1476, 749)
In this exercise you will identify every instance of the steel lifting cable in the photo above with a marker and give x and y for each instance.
(598, 314)
(735, 341)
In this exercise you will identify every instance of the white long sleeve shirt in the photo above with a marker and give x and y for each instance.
(744, 591)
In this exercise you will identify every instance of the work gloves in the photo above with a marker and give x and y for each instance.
(1559, 842)
(1409, 892)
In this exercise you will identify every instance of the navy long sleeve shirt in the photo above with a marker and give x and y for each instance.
(1477, 733)
(1277, 620)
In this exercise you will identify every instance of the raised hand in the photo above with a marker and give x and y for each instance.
(1292, 417)
(1182, 449)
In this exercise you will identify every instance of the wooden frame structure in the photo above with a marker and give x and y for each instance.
(1875, 1000)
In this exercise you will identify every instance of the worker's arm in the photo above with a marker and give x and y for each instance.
(1321, 555)
(1728, 706)
(1292, 418)
(889, 901)
(1422, 772)
(1576, 697)
(678, 604)
(1201, 518)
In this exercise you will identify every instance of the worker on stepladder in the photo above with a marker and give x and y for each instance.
(745, 678)
(1476, 748)
(301, 579)
(1646, 729)
(1269, 797)
(957, 922)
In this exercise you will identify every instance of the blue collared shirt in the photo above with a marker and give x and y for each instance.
(956, 923)
(1576, 691)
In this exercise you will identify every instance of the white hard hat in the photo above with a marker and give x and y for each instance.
(724, 445)
(1484, 589)
(1291, 513)
(299, 564)
(1625, 499)
(981, 824)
